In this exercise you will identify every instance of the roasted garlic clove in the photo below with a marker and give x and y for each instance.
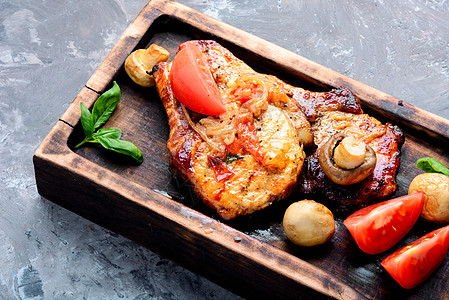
(142, 61)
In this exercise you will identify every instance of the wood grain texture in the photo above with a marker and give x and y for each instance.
(145, 203)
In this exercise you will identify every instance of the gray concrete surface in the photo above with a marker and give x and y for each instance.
(49, 49)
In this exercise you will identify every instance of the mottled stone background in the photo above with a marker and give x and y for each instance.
(49, 49)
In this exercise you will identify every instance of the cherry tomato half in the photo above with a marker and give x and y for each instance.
(378, 227)
(192, 82)
(412, 264)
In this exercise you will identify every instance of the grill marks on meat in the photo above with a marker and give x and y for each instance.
(339, 111)
(265, 137)
(336, 100)
(385, 140)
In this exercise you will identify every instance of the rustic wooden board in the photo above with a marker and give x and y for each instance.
(251, 257)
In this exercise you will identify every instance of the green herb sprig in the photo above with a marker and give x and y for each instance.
(230, 158)
(431, 165)
(109, 138)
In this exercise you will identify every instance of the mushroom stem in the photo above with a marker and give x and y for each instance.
(349, 153)
(341, 175)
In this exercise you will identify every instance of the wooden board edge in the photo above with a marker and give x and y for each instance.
(127, 42)
(404, 113)
(91, 185)
(71, 120)
(73, 113)
(53, 143)
(414, 119)
(396, 110)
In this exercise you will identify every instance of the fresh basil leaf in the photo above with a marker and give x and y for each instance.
(105, 105)
(120, 146)
(109, 138)
(112, 133)
(86, 121)
(431, 165)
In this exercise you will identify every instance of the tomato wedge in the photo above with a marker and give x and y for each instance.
(414, 263)
(378, 227)
(192, 82)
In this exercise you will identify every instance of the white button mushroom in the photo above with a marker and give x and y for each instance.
(435, 186)
(142, 61)
(308, 223)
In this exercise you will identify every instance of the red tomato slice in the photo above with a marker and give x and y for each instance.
(221, 170)
(412, 264)
(246, 138)
(192, 82)
(378, 227)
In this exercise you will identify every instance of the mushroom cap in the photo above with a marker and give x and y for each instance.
(435, 186)
(308, 223)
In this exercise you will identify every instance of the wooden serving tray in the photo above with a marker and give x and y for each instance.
(144, 203)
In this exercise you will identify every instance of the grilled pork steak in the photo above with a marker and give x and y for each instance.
(250, 156)
(385, 140)
(339, 111)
